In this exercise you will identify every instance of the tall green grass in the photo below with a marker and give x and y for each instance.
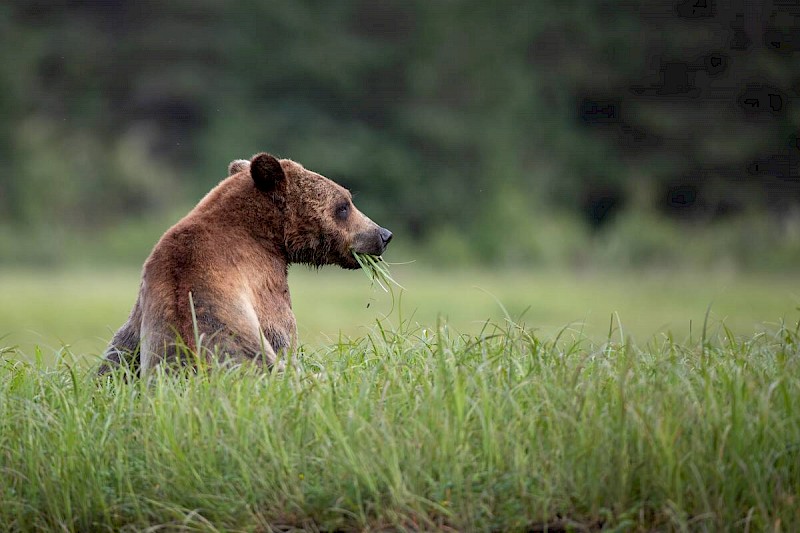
(417, 429)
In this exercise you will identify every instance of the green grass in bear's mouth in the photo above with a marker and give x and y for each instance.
(376, 269)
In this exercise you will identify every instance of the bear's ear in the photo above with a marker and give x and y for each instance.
(266, 171)
(237, 166)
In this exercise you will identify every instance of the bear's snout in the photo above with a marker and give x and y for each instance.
(386, 236)
(373, 241)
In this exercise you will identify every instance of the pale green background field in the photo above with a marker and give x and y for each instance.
(82, 308)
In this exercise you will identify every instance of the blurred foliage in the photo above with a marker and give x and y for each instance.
(461, 125)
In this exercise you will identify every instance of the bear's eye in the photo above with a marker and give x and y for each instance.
(342, 211)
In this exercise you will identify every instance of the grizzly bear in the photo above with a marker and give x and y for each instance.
(220, 274)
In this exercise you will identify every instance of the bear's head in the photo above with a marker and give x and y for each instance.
(321, 226)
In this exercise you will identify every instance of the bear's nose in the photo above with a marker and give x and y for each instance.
(386, 236)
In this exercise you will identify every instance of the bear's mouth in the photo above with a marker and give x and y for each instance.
(372, 243)
(350, 262)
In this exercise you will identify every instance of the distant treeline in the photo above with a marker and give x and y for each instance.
(468, 118)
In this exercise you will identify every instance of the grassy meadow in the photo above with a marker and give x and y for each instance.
(419, 415)
(81, 309)
(416, 429)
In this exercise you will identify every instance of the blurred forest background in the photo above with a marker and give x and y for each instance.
(577, 133)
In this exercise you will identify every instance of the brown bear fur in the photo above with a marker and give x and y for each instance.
(230, 255)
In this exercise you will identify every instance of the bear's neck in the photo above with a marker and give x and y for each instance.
(238, 209)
